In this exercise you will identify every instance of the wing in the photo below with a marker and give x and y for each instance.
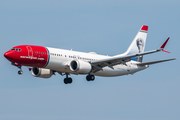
(154, 62)
(110, 62)
(99, 64)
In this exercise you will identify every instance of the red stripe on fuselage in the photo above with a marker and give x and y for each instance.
(29, 55)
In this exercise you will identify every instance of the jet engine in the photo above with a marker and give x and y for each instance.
(41, 72)
(80, 67)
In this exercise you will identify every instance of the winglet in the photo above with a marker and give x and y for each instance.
(164, 44)
(165, 51)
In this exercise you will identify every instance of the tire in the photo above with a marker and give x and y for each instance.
(88, 78)
(69, 80)
(92, 77)
(20, 72)
(65, 81)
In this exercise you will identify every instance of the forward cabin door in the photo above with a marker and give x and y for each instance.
(30, 51)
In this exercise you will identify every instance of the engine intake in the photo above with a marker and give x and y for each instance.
(41, 72)
(80, 67)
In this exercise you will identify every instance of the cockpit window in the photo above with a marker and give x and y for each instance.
(16, 49)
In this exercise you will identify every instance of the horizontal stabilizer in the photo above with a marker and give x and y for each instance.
(153, 62)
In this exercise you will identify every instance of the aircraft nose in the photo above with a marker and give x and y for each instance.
(8, 55)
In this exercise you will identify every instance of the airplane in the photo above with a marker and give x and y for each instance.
(45, 61)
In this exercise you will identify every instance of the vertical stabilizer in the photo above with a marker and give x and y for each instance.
(138, 44)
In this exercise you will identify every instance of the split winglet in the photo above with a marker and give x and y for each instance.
(164, 44)
(165, 51)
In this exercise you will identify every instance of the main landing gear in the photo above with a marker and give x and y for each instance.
(90, 77)
(67, 80)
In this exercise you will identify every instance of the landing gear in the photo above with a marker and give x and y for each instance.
(90, 77)
(67, 80)
(20, 72)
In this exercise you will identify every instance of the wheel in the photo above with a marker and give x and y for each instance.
(69, 80)
(88, 78)
(92, 77)
(65, 80)
(20, 72)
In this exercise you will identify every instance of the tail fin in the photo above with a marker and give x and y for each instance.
(138, 44)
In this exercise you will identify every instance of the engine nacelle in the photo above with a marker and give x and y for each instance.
(41, 72)
(80, 67)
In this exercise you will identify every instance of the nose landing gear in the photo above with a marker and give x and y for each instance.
(20, 72)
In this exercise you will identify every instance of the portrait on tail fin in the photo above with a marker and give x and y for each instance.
(140, 46)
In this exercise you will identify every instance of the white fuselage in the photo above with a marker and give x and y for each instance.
(59, 60)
